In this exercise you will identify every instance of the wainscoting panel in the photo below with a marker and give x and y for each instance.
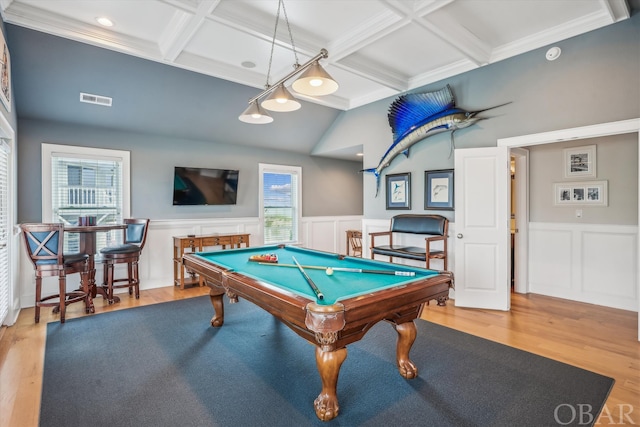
(596, 264)
(156, 263)
(550, 259)
(328, 233)
(591, 263)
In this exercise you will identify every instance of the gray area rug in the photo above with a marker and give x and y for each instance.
(163, 365)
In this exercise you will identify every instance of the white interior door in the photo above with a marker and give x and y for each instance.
(482, 267)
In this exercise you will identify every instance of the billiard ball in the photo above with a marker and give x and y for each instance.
(329, 271)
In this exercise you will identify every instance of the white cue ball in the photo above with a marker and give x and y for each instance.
(329, 271)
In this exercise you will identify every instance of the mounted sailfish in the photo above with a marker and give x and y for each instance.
(416, 116)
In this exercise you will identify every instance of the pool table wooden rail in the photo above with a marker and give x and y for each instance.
(360, 313)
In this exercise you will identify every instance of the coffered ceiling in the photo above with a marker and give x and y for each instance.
(377, 48)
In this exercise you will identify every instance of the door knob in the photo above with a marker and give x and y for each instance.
(459, 236)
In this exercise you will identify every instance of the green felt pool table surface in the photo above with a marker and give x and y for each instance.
(336, 287)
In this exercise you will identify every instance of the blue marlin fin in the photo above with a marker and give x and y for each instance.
(410, 109)
(406, 153)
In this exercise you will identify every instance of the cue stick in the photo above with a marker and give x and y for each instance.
(348, 270)
(308, 279)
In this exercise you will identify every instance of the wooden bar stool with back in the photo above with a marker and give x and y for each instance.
(135, 236)
(45, 246)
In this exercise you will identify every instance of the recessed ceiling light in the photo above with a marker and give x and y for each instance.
(104, 21)
(248, 64)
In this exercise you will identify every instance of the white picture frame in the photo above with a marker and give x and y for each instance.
(582, 193)
(580, 162)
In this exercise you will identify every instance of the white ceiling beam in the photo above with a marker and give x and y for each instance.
(365, 33)
(373, 72)
(459, 38)
(617, 9)
(181, 29)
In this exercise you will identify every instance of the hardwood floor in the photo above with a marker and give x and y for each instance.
(596, 338)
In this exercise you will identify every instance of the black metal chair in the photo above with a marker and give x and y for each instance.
(135, 236)
(45, 244)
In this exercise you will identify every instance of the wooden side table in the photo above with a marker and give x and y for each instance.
(193, 243)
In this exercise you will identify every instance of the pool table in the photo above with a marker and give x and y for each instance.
(352, 302)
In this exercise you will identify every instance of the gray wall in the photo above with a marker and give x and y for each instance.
(595, 80)
(616, 162)
(330, 187)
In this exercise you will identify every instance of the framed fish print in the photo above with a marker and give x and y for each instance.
(580, 162)
(5, 74)
(399, 191)
(438, 189)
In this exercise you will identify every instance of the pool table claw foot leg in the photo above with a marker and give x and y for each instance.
(218, 308)
(442, 301)
(328, 362)
(406, 336)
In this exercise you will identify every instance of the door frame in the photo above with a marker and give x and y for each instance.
(521, 269)
(583, 132)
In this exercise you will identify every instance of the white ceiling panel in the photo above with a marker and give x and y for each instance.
(377, 48)
(410, 51)
(500, 22)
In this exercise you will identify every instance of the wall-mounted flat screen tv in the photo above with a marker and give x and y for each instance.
(200, 186)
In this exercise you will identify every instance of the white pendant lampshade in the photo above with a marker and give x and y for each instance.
(281, 100)
(255, 115)
(315, 81)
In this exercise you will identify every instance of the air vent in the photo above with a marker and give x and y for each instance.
(96, 99)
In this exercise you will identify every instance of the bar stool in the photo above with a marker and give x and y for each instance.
(128, 253)
(45, 244)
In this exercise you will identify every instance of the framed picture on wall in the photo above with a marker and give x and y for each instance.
(5, 74)
(584, 193)
(399, 191)
(580, 162)
(438, 189)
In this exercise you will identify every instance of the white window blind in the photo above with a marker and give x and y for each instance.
(4, 232)
(88, 182)
(280, 203)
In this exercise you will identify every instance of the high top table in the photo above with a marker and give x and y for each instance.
(88, 242)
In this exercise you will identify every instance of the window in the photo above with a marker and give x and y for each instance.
(280, 203)
(81, 181)
(4, 231)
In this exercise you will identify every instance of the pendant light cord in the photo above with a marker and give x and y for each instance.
(273, 40)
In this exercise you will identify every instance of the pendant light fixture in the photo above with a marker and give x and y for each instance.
(314, 81)
(281, 100)
(255, 115)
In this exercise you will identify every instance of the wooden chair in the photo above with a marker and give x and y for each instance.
(128, 252)
(354, 242)
(45, 244)
(435, 228)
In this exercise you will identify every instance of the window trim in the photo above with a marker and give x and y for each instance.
(48, 150)
(271, 168)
